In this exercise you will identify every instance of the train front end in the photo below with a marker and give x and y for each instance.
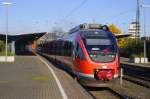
(101, 62)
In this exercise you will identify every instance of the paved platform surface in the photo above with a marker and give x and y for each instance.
(71, 87)
(29, 78)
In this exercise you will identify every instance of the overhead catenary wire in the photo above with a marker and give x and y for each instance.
(64, 19)
(119, 14)
(74, 10)
(111, 17)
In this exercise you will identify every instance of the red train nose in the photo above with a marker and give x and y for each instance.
(109, 75)
(105, 75)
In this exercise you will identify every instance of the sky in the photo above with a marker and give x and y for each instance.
(29, 16)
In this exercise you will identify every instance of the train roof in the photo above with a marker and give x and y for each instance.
(89, 27)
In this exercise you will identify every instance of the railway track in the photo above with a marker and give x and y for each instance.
(137, 74)
(103, 93)
(106, 93)
(133, 87)
(128, 90)
(141, 82)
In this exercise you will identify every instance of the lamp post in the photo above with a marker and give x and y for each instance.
(7, 4)
(145, 54)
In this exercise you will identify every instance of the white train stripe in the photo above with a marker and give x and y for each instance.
(84, 75)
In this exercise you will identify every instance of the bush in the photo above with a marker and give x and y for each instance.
(134, 48)
(3, 53)
(137, 55)
(2, 46)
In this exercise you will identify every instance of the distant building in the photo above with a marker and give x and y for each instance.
(47, 37)
(134, 29)
(21, 44)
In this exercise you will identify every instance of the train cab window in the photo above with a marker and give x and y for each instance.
(101, 50)
(80, 53)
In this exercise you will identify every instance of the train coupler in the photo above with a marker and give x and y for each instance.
(103, 75)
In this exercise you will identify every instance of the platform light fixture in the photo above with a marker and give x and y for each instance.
(7, 4)
(145, 54)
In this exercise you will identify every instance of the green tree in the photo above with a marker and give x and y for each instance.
(132, 48)
(2, 46)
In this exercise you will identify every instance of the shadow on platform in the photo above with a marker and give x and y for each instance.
(25, 53)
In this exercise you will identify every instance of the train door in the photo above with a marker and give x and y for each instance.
(78, 58)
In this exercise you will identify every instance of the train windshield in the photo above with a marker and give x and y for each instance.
(101, 50)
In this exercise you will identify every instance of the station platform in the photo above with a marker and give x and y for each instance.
(126, 61)
(29, 77)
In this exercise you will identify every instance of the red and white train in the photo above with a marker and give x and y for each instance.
(90, 51)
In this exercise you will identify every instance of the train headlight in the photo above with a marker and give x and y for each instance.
(116, 75)
(104, 67)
